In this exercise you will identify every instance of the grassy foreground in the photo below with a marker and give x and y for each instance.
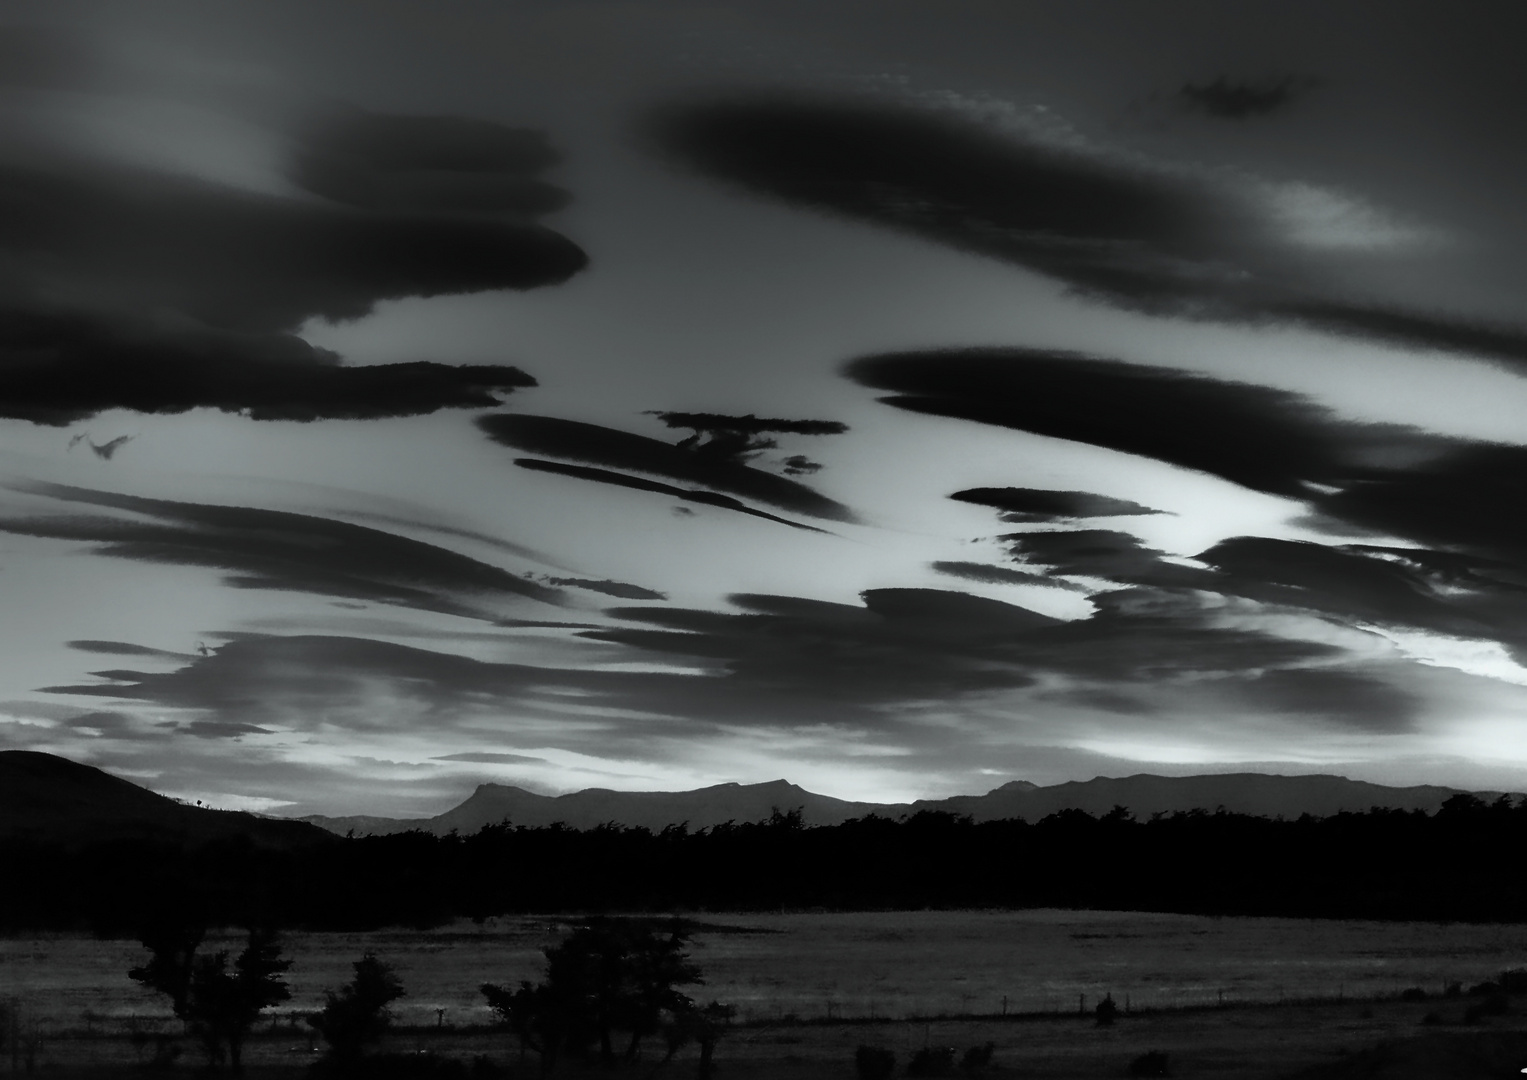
(1379, 1040)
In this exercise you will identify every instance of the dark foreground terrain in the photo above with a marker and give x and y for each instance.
(1382, 1040)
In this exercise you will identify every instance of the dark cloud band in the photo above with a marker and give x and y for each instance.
(1034, 505)
(272, 549)
(637, 483)
(1154, 239)
(612, 449)
(159, 293)
(59, 367)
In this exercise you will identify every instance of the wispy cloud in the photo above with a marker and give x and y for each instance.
(613, 449)
(1029, 505)
(657, 487)
(275, 549)
(1152, 237)
(60, 365)
(1449, 552)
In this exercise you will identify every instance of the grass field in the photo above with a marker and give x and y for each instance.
(784, 969)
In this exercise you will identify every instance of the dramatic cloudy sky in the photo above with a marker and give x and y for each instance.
(901, 398)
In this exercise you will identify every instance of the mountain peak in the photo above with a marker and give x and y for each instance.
(776, 785)
(1018, 785)
(493, 788)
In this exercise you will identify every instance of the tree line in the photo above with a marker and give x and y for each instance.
(1456, 864)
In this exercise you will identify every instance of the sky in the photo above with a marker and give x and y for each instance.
(896, 398)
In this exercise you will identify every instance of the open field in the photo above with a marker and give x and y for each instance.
(810, 987)
(887, 965)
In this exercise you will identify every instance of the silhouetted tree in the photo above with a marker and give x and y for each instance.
(1107, 1011)
(217, 1003)
(172, 941)
(703, 1025)
(223, 1005)
(538, 1020)
(357, 1014)
(611, 975)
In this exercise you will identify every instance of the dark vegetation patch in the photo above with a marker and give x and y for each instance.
(1350, 865)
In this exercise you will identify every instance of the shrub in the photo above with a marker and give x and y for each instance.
(357, 1014)
(609, 976)
(1413, 993)
(874, 1062)
(1494, 1005)
(1107, 1011)
(932, 1061)
(1153, 1063)
(977, 1059)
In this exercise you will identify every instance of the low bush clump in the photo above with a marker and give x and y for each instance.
(1152, 1063)
(932, 1061)
(977, 1059)
(1106, 1012)
(1493, 1005)
(874, 1062)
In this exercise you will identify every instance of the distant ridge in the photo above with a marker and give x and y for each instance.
(51, 799)
(702, 808)
(1143, 794)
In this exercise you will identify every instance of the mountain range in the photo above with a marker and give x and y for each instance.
(49, 798)
(1143, 795)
